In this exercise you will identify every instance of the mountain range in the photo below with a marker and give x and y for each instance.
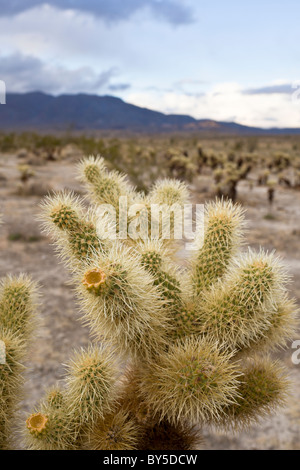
(44, 112)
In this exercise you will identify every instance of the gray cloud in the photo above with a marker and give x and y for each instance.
(172, 11)
(25, 73)
(285, 89)
(190, 81)
(119, 86)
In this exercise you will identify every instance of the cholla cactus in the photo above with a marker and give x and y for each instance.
(181, 167)
(228, 176)
(18, 302)
(183, 348)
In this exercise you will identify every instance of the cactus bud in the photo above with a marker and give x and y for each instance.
(94, 279)
(37, 424)
(55, 398)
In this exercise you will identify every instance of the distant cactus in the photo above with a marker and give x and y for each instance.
(184, 347)
(25, 173)
(228, 175)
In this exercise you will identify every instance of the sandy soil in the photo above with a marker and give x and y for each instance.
(24, 248)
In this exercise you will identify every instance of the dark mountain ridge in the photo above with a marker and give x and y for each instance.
(40, 111)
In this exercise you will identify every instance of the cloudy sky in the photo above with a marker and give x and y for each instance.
(225, 60)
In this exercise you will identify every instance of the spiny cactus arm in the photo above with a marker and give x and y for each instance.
(192, 382)
(18, 304)
(154, 434)
(131, 399)
(173, 287)
(154, 258)
(72, 226)
(170, 436)
(186, 321)
(117, 431)
(119, 302)
(165, 204)
(91, 389)
(169, 191)
(235, 312)
(111, 188)
(104, 187)
(223, 223)
(264, 387)
(64, 419)
(11, 381)
(49, 427)
(55, 397)
(282, 324)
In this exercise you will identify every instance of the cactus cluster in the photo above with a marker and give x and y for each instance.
(174, 349)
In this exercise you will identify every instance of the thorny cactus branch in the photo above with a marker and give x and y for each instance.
(18, 322)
